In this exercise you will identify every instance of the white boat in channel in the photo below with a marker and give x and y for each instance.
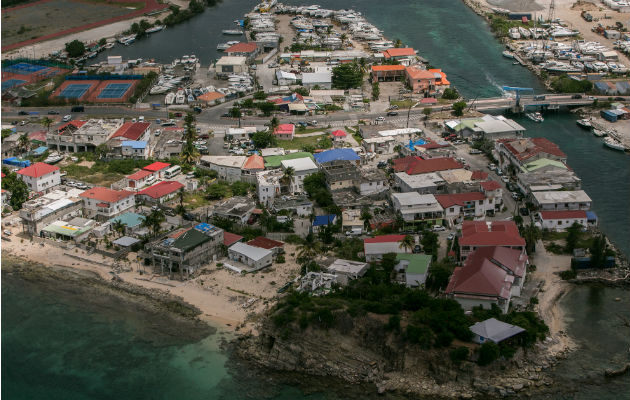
(155, 29)
(614, 144)
(536, 117)
(508, 54)
(232, 32)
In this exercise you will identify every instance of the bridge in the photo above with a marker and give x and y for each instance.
(523, 102)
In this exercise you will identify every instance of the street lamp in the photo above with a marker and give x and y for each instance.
(409, 112)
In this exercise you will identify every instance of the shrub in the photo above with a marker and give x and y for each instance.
(459, 354)
(394, 323)
(568, 274)
(488, 352)
(280, 259)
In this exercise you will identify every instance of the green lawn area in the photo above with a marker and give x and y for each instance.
(302, 131)
(403, 103)
(299, 142)
(195, 199)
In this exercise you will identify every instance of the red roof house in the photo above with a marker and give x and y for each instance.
(40, 177)
(400, 52)
(387, 72)
(106, 195)
(376, 246)
(70, 126)
(490, 185)
(38, 170)
(132, 131)
(490, 275)
(160, 192)
(284, 131)
(157, 168)
(479, 175)
(417, 165)
(254, 162)
(138, 178)
(477, 234)
(338, 134)
(266, 243)
(523, 150)
(230, 238)
(559, 220)
(243, 49)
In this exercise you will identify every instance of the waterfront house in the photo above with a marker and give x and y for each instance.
(255, 258)
(284, 132)
(421, 80)
(230, 65)
(76, 229)
(302, 167)
(468, 204)
(249, 50)
(375, 247)
(387, 73)
(160, 193)
(103, 203)
(399, 53)
(490, 275)
(52, 206)
(347, 270)
(518, 152)
(40, 177)
(132, 221)
(415, 207)
(185, 250)
(489, 127)
(494, 331)
(561, 220)
(561, 200)
(477, 234)
(414, 268)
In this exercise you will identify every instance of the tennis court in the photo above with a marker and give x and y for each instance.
(10, 83)
(114, 91)
(74, 90)
(23, 68)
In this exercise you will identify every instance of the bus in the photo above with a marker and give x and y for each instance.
(173, 171)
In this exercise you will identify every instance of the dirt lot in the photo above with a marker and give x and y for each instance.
(46, 18)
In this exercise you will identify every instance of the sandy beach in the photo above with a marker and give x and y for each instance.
(219, 293)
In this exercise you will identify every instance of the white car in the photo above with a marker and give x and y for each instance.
(505, 179)
(66, 118)
(141, 118)
(7, 232)
(438, 228)
(380, 119)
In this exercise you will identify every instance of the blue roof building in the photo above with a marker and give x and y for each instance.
(131, 219)
(40, 150)
(323, 220)
(135, 144)
(336, 155)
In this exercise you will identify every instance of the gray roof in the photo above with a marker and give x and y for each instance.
(252, 252)
(495, 330)
(125, 241)
(348, 267)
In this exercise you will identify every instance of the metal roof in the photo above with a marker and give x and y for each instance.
(125, 241)
(495, 330)
(252, 252)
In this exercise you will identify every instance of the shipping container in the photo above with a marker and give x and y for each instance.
(608, 115)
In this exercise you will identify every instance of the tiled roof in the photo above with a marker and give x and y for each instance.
(105, 194)
(495, 233)
(161, 189)
(399, 52)
(384, 239)
(230, 238)
(284, 129)
(131, 130)
(574, 214)
(75, 123)
(339, 133)
(242, 48)
(156, 166)
(460, 199)
(139, 175)
(211, 96)
(254, 162)
(421, 166)
(388, 67)
(417, 73)
(265, 243)
(526, 148)
(490, 185)
(401, 164)
(38, 169)
(479, 175)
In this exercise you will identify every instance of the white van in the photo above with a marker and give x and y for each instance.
(172, 172)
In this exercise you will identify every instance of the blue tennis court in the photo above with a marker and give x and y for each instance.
(24, 68)
(114, 91)
(9, 83)
(74, 90)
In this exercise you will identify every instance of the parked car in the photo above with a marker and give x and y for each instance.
(381, 164)
(505, 179)
(77, 109)
(511, 186)
(576, 96)
(53, 112)
(380, 119)
(394, 107)
(417, 249)
(7, 232)
(450, 236)
(474, 151)
(524, 211)
(516, 196)
(438, 228)
(22, 112)
(141, 118)
(392, 113)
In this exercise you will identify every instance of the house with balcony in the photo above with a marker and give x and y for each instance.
(478, 234)
(493, 192)
(414, 207)
(53, 206)
(461, 205)
(561, 200)
(40, 177)
(520, 151)
(421, 80)
(103, 203)
(302, 167)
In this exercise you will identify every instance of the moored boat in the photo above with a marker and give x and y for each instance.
(232, 32)
(155, 29)
(585, 123)
(536, 117)
(508, 54)
(614, 144)
(599, 132)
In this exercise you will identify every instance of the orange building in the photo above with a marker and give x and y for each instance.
(382, 73)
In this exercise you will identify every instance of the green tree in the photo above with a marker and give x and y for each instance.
(427, 111)
(189, 153)
(458, 108)
(573, 237)
(366, 217)
(450, 94)
(273, 123)
(47, 122)
(263, 139)
(181, 210)
(24, 143)
(488, 352)
(347, 76)
(407, 243)
(266, 107)
(75, 48)
(376, 91)
(218, 191)
(119, 227)
(598, 250)
(16, 186)
(101, 150)
(398, 43)
(439, 275)
(235, 112)
(288, 175)
(459, 354)
(430, 243)
(154, 221)
(260, 95)
(531, 234)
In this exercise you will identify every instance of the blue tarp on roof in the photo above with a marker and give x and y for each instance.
(16, 162)
(321, 220)
(135, 144)
(40, 150)
(591, 216)
(205, 228)
(336, 155)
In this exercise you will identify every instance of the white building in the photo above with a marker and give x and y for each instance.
(106, 203)
(379, 145)
(268, 186)
(372, 181)
(417, 207)
(40, 177)
(302, 167)
(228, 168)
(231, 65)
(421, 183)
(323, 79)
(134, 149)
(346, 270)
(562, 200)
(374, 248)
(254, 257)
(560, 220)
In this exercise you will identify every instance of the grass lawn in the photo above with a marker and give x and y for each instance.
(403, 103)
(195, 199)
(302, 131)
(299, 142)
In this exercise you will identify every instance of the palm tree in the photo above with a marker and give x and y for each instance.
(273, 124)
(24, 144)
(180, 208)
(407, 242)
(398, 43)
(307, 251)
(531, 234)
(344, 37)
(288, 175)
(154, 220)
(366, 217)
(47, 122)
(189, 154)
(119, 226)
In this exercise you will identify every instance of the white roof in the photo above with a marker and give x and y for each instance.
(329, 92)
(272, 151)
(498, 124)
(495, 330)
(241, 131)
(421, 180)
(401, 131)
(251, 252)
(552, 197)
(414, 198)
(347, 266)
(280, 74)
(225, 161)
(232, 60)
(299, 164)
(383, 248)
(379, 139)
(317, 77)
